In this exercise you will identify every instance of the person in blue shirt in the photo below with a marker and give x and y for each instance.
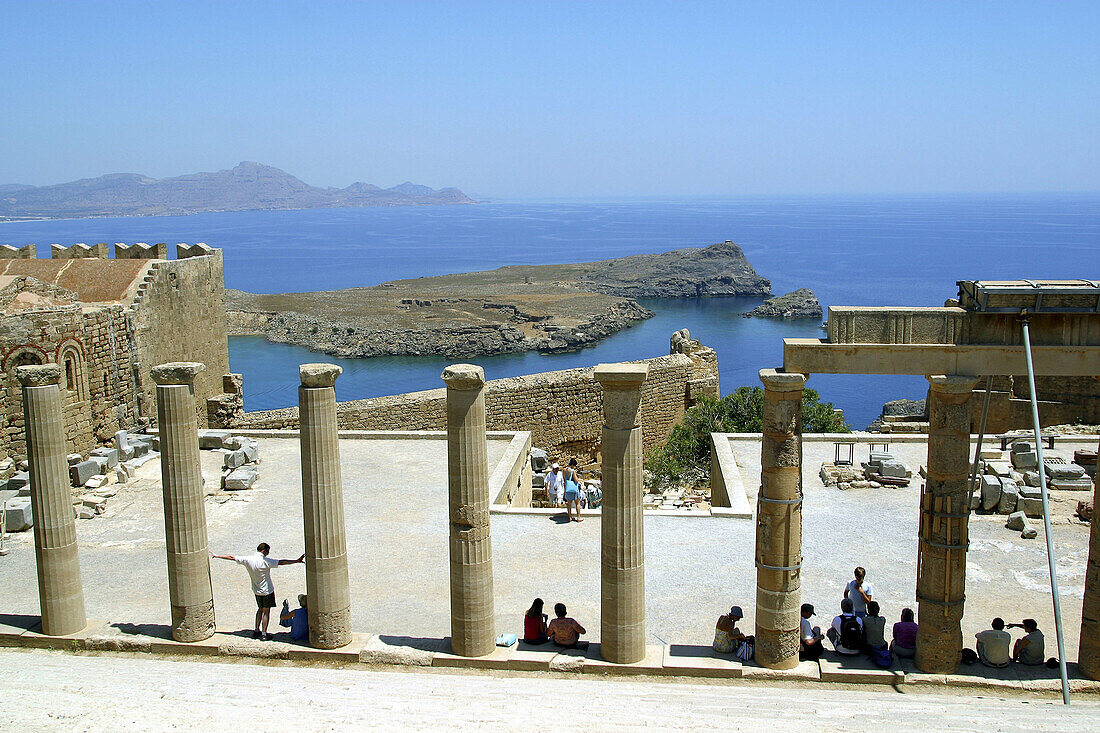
(299, 629)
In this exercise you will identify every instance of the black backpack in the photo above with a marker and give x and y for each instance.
(851, 633)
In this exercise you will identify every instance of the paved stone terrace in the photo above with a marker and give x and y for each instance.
(110, 692)
(396, 516)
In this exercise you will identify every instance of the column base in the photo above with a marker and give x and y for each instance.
(776, 649)
(330, 630)
(193, 623)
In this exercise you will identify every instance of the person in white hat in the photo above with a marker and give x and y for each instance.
(555, 485)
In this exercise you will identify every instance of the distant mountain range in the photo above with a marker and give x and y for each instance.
(249, 186)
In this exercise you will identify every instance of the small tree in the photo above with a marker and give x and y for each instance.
(684, 459)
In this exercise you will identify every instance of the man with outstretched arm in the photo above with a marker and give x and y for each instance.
(259, 567)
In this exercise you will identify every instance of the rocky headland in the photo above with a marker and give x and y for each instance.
(801, 303)
(546, 308)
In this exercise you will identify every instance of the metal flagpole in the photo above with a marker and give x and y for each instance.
(1046, 508)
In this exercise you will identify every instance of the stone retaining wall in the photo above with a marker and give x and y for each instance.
(561, 409)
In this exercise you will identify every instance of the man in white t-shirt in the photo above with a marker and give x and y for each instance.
(993, 645)
(859, 591)
(555, 485)
(259, 570)
(811, 636)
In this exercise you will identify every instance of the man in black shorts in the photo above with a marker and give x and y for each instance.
(259, 567)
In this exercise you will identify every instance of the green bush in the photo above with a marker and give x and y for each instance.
(685, 457)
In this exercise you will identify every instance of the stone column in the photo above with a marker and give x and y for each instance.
(473, 632)
(779, 522)
(60, 594)
(323, 509)
(184, 511)
(622, 545)
(1088, 656)
(944, 533)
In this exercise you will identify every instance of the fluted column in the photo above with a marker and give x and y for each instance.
(622, 545)
(779, 522)
(185, 540)
(471, 552)
(323, 509)
(60, 595)
(944, 525)
(1088, 656)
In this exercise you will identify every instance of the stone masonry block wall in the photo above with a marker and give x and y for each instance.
(28, 252)
(563, 409)
(179, 315)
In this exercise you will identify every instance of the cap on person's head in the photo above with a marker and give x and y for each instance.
(736, 611)
(808, 608)
(846, 605)
(556, 465)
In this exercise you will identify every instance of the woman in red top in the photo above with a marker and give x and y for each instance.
(534, 624)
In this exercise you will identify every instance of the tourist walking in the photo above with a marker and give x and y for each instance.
(993, 645)
(259, 567)
(859, 591)
(572, 494)
(555, 485)
(534, 624)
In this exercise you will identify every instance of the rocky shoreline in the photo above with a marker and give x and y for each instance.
(359, 340)
(544, 308)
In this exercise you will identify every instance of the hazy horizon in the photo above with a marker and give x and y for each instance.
(581, 101)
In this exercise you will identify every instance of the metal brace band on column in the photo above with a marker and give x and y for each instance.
(779, 501)
(945, 547)
(934, 602)
(947, 516)
(789, 569)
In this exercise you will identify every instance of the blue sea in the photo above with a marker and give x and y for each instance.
(849, 250)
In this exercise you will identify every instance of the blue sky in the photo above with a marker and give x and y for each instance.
(530, 100)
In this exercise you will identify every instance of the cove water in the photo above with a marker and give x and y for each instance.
(849, 250)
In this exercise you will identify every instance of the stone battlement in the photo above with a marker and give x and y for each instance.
(102, 251)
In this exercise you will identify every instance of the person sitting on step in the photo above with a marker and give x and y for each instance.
(993, 645)
(727, 637)
(564, 631)
(1030, 648)
(811, 636)
(847, 631)
(905, 635)
(534, 624)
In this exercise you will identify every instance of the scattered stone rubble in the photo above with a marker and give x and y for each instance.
(240, 458)
(95, 479)
(880, 469)
(1010, 485)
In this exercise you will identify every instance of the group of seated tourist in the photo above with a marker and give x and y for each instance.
(861, 629)
(562, 631)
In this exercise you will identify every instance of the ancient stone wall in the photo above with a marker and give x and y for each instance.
(106, 327)
(40, 337)
(179, 315)
(562, 409)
